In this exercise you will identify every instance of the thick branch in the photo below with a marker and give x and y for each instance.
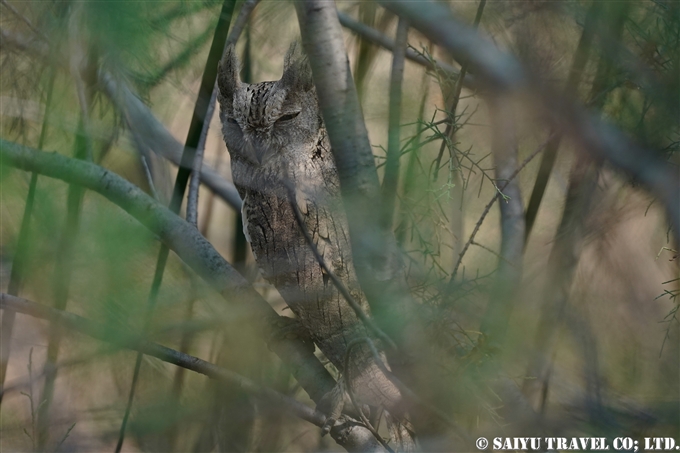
(179, 236)
(151, 133)
(490, 65)
(182, 238)
(374, 248)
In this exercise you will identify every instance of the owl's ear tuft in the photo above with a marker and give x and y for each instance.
(297, 75)
(227, 74)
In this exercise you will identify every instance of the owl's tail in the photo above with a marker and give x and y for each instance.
(401, 433)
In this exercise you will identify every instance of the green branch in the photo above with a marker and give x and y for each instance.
(182, 238)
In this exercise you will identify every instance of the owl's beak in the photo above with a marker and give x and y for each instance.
(254, 153)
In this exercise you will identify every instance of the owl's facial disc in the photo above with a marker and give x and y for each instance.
(254, 153)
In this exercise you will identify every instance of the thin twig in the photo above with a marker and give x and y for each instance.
(148, 175)
(451, 116)
(493, 252)
(490, 204)
(143, 123)
(189, 245)
(504, 73)
(372, 35)
(149, 133)
(194, 185)
(184, 57)
(409, 178)
(356, 437)
(18, 384)
(64, 437)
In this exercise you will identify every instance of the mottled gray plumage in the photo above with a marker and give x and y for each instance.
(274, 133)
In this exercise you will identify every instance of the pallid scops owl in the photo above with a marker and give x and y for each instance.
(275, 133)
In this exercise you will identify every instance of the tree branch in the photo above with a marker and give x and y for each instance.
(374, 249)
(458, 87)
(372, 35)
(79, 60)
(487, 208)
(508, 279)
(101, 332)
(573, 81)
(147, 130)
(391, 178)
(192, 199)
(152, 133)
(501, 72)
(177, 234)
(191, 153)
(201, 256)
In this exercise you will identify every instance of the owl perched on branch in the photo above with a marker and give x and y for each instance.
(278, 145)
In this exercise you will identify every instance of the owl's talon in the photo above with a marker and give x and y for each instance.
(328, 424)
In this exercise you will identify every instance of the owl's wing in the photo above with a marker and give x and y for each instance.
(315, 220)
(327, 226)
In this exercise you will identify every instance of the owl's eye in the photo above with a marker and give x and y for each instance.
(288, 117)
(231, 120)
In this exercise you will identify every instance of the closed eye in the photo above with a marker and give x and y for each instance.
(288, 117)
(231, 120)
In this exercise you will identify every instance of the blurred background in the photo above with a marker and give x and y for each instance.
(592, 339)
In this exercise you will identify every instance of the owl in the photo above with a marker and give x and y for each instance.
(281, 154)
